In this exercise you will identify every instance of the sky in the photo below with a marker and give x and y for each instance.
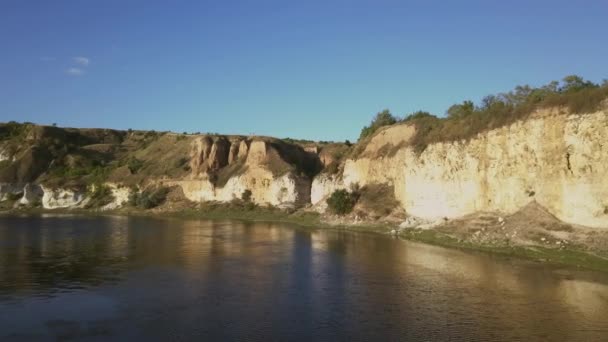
(302, 69)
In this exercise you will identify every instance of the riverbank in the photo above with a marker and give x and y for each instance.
(460, 234)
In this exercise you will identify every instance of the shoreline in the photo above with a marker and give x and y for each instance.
(556, 257)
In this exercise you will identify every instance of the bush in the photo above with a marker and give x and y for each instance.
(100, 195)
(149, 198)
(14, 196)
(384, 118)
(246, 196)
(134, 165)
(342, 202)
(12, 129)
(466, 120)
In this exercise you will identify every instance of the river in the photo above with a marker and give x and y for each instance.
(138, 278)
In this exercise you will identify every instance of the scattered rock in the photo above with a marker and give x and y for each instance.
(411, 222)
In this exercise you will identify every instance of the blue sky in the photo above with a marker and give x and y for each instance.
(303, 69)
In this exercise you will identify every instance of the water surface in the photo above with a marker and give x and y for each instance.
(121, 278)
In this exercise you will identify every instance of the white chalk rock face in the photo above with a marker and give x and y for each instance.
(62, 198)
(120, 196)
(4, 155)
(559, 161)
(254, 161)
(323, 186)
(265, 189)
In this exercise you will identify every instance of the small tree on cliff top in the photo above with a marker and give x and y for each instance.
(384, 118)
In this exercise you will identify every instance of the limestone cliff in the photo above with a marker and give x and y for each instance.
(556, 160)
(276, 173)
(61, 167)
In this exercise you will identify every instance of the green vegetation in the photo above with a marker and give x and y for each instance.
(12, 130)
(149, 198)
(465, 120)
(570, 257)
(82, 175)
(342, 202)
(99, 195)
(384, 118)
(134, 165)
(246, 196)
(14, 196)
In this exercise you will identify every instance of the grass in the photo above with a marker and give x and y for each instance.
(554, 256)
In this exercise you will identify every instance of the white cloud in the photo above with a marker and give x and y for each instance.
(83, 61)
(74, 71)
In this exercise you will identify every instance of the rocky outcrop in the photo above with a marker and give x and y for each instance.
(6, 156)
(559, 161)
(62, 198)
(55, 161)
(556, 160)
(256, 165)
(32, 194)
(120, 196)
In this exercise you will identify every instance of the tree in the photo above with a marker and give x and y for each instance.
(383, 118)
(552, 87)
(461, 110)
(418, 115)
(575, 83)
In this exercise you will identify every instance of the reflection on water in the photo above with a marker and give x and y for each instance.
(122, 278)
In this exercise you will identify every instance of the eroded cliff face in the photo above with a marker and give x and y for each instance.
(57, 168)
(222, 171)
(559, 161)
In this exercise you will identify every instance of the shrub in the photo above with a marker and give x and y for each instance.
(466, 120)
(12, 129)
(342, 202)
(134, 165)
(384, 118)
(246, 195)
(14, 196)
(149, 198)
(100, 195)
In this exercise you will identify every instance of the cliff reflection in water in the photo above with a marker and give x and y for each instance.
(154, 278)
